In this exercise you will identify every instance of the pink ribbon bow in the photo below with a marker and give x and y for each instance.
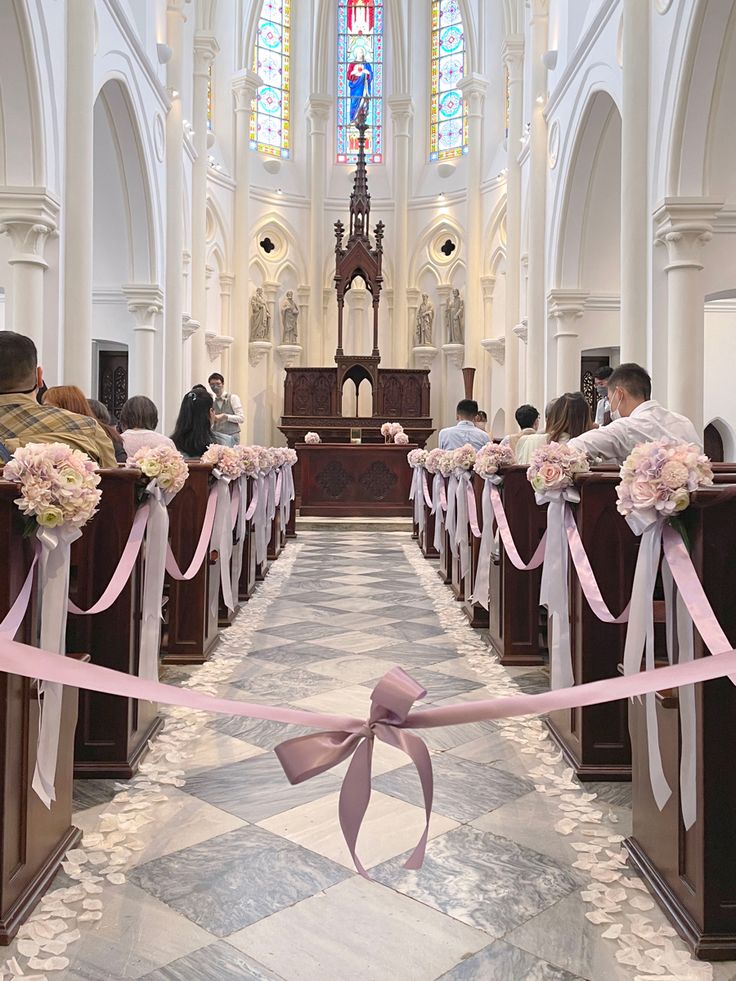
(307, 756)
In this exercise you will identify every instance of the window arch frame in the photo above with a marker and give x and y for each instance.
(282, 51)
(436, 92)
(347, 45)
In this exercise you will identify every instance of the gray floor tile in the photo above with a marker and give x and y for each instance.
(218, 962)
(504, 962)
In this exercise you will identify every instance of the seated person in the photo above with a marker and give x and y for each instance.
(23, 420)
(102, 415)
(635, 418)
(465, 430)
(138, 421)
(193, 431)
(527, 419)
(481, 420)
(567, 416)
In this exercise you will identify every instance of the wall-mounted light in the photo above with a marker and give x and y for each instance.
(549, 60)
(174, 93)
(279, 191)
(164, 53)
(539, 100)
(441, 195)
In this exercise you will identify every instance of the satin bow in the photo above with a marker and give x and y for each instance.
(307, 756)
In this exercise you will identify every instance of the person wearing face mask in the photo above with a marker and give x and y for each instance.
(635, 418)
(603, 408)
(229, 415)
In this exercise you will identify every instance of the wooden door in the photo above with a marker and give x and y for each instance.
(589, 365)
(113, 380)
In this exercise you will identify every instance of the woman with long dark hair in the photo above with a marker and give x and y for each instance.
(566, 417)
(193, 431)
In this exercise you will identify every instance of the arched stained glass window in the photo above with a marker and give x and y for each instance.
(359, 77)
(269, 121)
(448, 123)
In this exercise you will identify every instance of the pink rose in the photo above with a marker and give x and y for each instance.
(551, 474)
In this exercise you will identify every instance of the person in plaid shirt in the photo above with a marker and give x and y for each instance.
(23, 420)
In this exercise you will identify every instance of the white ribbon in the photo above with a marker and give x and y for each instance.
(438, 511)
(222, 537)
(416, 494)
(451, 519)
(157, 536)
(53, 590)
(482, 587)
(236, 565)
(259, 519)
(553, 591)
(462, 520)
(271, 479)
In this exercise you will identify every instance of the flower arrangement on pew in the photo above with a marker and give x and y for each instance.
(432, 461)
(417, 458)
(463, 460)
(58, 485)
(163, 466)
(390, 430)
(446, 463)
(224, 459)
(658, 478)
(248, 460)
(554, 467)
(490, 457)
(311, 439)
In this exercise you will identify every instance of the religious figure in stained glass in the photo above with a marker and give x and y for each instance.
(359, 77)
(269, 122)
(448, 117)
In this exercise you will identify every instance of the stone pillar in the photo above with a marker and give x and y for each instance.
(313, 337)
(513, 56)
(174, 383)
(473, 88)
(402, 110)
(635, 183)
(226, 289)
(537, 206)
(684, 227)
(485, 389)
(145, 302)
(78, 228)
(566, 307)
(205, 51)
(245, 86)
(27, 219)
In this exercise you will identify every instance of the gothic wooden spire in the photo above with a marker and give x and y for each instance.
(360, 199)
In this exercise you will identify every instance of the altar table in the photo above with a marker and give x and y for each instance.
(344, 480)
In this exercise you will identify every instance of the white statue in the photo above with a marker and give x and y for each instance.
(260, 317)
(455, 319)
(425, 322)
(289, 319)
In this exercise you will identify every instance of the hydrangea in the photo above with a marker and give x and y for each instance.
(163, 464)
(463, 459)
(554, 467)
(313, 438)
(661, 476)
(417, 458)
(58, 485)
(492, 456)
(225, 459)
(433, 461)
(401, 439)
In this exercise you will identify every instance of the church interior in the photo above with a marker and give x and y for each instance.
(373, 246)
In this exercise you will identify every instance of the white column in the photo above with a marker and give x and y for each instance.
(488, 285)
(78, 193)
(145, 302)
(537, 206)
(566, 307)
(313, 337)
(513, 56)
(245, 86)
(473, 88)
(685, 226)
(205, 51)
(402, 110)
(226, 290)
(27, 219)
(174, 283)
(635, 182)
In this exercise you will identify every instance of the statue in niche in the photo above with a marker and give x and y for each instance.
(260, 317)
(425, 322)
(289, 319)
(455, 319)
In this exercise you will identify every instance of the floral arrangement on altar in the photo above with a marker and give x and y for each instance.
(417, 458)
(163, 464)
(492, 456)
(58, 485)
(313, 438)
(390, 430)
(433, 460)
(660, 477)
(401, 439)
(224, 459)
(463, 459)
(555, 466)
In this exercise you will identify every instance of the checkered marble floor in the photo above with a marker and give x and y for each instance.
(243, 877)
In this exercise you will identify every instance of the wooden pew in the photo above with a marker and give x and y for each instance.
(476, 614)
(692, 873)
(515, 628)
(112, 732)
(247, 584)
(191, 627)
(33, 838)
(426, 537)
(445, 569)
(595, 739)
(275, 543)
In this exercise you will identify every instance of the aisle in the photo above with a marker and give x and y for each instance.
(227, 872)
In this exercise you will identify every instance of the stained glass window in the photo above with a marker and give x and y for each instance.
(269, 121)
(209, 97)
(359, 77)
(448, 123)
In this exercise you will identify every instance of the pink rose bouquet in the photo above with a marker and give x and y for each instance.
(401, 439)
(433, 460)
(555, 466)
(58, 485)
(417, 458)
(463, 459)
(446, 462)
(248, 459)
(660, 476)
(224, 459)
(390, 430)
(290, 456)
(265, 460)
(163, 464)
(313, 438)
(492, 456)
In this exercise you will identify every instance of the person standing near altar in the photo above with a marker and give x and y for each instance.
(465, 430)
(229, 415)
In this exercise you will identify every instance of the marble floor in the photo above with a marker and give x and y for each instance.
(209, 866)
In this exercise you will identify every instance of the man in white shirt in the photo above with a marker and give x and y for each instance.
(229, 416)
(465, 431)
(603, 408)
(635, 418)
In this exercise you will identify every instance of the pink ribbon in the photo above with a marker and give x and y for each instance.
(443, 497)
(473, 513)
(253, 503)
(586, 576)
(125, 566)
(202, 545)
(508, 541)
(10, 624)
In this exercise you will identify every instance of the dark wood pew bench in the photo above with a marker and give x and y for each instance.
(476, 614)
(247, 584)
(426, 537)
